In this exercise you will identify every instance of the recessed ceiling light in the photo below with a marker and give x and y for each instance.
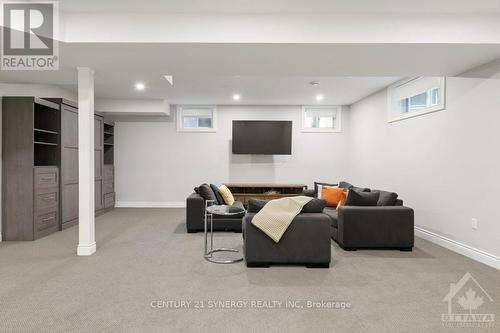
(319, 97)
(140, 86)
(236, 97)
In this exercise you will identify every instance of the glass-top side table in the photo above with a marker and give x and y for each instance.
(212, 209)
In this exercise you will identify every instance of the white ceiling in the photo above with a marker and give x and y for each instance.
(284, 6)
(259, 90)
(261, 73)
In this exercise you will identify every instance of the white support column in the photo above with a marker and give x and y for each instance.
(86, 201)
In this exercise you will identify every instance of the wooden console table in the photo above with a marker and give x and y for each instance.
(244, 191)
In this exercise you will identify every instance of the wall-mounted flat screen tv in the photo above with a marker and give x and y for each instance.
(262, 137)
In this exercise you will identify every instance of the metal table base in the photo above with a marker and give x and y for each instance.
(208, 255)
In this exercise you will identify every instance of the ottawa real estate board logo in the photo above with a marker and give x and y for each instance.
(29, 35)
(469, 305)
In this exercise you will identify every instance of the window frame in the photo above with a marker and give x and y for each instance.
(393, 117)
(179, 116)
(338, 118)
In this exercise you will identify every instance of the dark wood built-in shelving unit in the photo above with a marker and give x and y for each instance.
(108, 188)
(30, 167)
(40, 166)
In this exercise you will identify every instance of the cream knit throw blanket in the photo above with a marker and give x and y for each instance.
(275, 217)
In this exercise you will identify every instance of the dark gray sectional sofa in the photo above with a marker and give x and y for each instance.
(381, 226)
(389, 224)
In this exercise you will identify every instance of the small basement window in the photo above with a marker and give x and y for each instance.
(321, 119)
(196, 118)
(415, 97)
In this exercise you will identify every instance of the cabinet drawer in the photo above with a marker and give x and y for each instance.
(109, 200)
(108, 172)
(107, 187)
(46, 177)
(49, 199)
(46, 221)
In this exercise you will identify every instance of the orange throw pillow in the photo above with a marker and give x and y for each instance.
(333, 196)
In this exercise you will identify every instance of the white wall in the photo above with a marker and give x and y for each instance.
(124, 107)
(156, 164)
(445, 165)
(27, 90)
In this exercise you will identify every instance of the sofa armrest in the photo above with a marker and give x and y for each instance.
(195, 212)
(307, 240)
(308, 193)
(379, 226)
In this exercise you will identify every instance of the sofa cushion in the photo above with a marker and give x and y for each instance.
(332, 212)
(219, 197)
(355, 198)
(348, 186)
(386, 198)
(206, 192)
(313, 206)
(345, 185)
(255, 205)
(360, 189)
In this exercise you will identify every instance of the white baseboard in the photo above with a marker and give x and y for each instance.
(150, 204)
(466, 250)
(86, 249)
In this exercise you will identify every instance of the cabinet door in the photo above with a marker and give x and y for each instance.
(69, 166)
(98, 195)
(98, 160)
(69, 120)
(98, 164)
(70, 203)
(98, 132)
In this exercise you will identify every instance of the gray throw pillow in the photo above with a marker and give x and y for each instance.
(345, 185)
(314, 206)
(255, 205)
(360, 189)
(348, 186)
(220, 199)
(355, 198)
(386, 198)
(206, 193)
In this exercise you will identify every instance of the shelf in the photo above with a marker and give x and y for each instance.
(109, 133)
(45, 143)
(46, 103)
(108, 144)
(45, 131)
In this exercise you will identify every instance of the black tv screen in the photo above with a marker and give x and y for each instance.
(262, 137)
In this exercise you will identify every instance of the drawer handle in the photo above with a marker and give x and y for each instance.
(47, 178)
(52, 198)
(47, 219)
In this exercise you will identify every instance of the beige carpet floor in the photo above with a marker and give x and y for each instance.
(145, 256)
